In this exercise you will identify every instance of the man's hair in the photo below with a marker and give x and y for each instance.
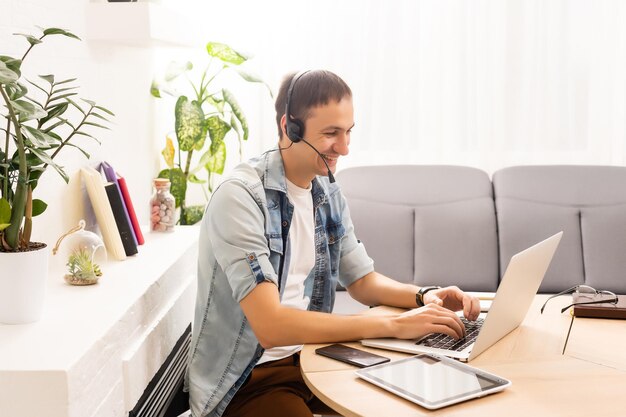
(313, 89)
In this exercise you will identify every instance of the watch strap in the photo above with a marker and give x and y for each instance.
(419, 297)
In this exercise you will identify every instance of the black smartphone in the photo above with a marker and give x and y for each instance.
(351, 355)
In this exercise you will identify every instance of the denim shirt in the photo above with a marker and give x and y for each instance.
(243, 242)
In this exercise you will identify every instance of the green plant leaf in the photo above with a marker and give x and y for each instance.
(179, 184)
(30, 38)
(73, 103)
(253, 78)
(107, 111)
(235, 125)
(217, 131)
(69, 80)
(39, 206)
(60, 90)
(193, 214)
(217, 160)
(7, 76)
(55, 111)
(154, 89)
(189, 123)
(57, 31)
(96, 125)
(79, 148)
(99, 116)
(38, 87)
(15, 91)
(49, 78)
(80, 133)
(175, 69)
(168, 152)
(90, 102)
(225, 53)
(230, 99)
(195, 180)
(5, 213)
(67, 122)
(12, 63)
(46, 158)
(37, 137)
(61, 97)
(28, 111)
(216, 102)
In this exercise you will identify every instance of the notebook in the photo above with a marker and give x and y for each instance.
(515, 294)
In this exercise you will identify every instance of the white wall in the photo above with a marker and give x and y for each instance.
(115, 76)
(486, 83)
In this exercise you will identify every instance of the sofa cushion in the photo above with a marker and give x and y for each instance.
(604, 242)
(565, 185)
(457, 244)
(521, 224)
(386, 231)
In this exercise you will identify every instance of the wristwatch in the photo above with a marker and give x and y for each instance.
(419, 297)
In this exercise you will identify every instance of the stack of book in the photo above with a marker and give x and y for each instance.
(114, 210)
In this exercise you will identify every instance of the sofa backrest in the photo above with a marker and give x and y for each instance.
(587, 202)
(426, 224)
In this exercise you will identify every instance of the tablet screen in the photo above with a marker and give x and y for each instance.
(433, 381)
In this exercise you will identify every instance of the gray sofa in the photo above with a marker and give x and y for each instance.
(453, 225)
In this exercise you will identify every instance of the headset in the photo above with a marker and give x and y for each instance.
(295, 127)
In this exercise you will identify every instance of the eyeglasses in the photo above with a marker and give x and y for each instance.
(585, 292)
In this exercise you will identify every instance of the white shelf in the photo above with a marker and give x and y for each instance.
(86, 357)
(139, 24)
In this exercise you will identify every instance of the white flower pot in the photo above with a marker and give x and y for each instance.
(23, 278)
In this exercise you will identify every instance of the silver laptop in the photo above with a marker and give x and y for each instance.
(515, 294)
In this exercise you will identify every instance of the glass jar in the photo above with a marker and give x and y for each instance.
(162, 207)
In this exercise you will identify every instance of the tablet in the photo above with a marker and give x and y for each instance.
(433, 381)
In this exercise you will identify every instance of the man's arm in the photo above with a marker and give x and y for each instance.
(277, 325)
(377, 289)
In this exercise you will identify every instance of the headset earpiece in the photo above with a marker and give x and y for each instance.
(294, 127)
(295, 130)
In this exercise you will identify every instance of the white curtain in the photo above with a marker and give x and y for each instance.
(485, 83)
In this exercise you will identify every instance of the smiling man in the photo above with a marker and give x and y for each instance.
(275, 241)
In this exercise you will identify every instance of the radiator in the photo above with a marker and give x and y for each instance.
(159, 395)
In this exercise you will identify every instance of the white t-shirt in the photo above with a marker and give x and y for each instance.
(302, 260)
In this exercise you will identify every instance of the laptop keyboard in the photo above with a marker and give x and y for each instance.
(442, 341)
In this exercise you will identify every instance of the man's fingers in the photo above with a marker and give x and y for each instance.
(453, 323)
(441, 328)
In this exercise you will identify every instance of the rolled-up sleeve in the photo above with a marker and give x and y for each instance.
(354, 263)
(237, 234)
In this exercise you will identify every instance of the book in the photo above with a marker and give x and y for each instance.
(124, 227)
(111, 176)
(104, 214)
(602, 310)
(121, 181)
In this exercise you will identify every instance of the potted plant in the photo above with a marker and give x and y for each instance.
(38, 119)
(211, 111)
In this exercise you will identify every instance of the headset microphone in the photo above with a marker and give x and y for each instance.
(331, 177)
(295, 127)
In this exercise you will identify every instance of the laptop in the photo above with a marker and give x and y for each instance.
(515, 294)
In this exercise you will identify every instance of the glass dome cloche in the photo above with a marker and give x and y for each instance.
(83, 251)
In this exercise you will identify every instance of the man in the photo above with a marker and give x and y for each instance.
(274, 242)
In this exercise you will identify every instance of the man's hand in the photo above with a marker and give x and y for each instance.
(432, 318)
(454, 299)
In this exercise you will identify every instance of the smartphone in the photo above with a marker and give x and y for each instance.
(351, 355)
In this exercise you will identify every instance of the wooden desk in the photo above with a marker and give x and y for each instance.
(588, 380)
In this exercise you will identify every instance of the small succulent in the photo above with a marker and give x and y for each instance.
(81, 265)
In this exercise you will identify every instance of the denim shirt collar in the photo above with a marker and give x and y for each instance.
(274, 178)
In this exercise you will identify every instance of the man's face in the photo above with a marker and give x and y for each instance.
(328, 129)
